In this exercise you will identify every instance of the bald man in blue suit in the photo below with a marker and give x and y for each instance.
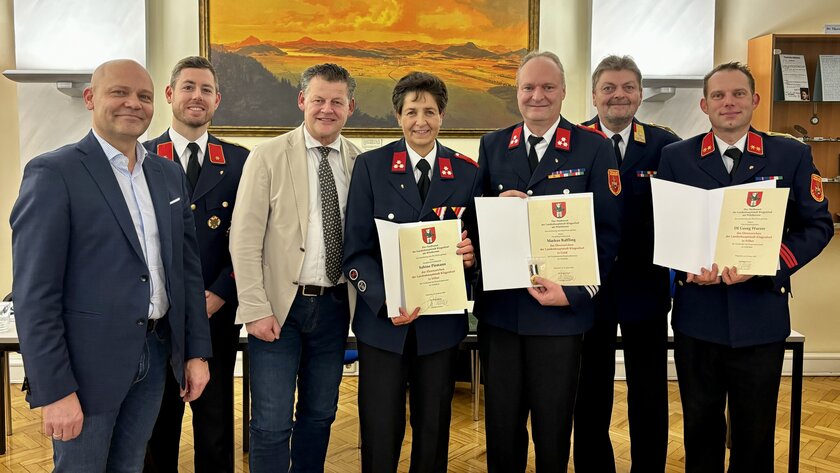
(107, 282)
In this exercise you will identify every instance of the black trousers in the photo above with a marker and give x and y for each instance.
(212, 413)
(536, 375)
(383, 379)
(749, 377)
(645, 346)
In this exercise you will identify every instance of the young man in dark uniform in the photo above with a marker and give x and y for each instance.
(213, 169)
(730, 328)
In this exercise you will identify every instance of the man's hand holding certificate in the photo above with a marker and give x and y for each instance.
(700, 231)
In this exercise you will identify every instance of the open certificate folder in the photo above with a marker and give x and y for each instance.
(738, 226)
(420, 267)
(552, 235)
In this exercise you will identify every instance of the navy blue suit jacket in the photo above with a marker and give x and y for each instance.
(579, 160)
(377, 190)
(81, 283)
(212, 203)
(636, 289)
(756, 311)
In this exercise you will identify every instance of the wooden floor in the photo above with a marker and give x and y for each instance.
(29, 451)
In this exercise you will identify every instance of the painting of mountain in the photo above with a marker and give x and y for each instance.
(261, 47)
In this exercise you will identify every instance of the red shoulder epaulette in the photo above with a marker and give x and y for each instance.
(593, 130)
(466, 158)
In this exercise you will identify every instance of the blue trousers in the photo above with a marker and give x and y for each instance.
(115, 441)
(308, 355)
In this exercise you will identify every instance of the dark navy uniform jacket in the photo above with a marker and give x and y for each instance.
(579, 159)
(636, 289)
(756, 311)
(383, 187)
(212, 203)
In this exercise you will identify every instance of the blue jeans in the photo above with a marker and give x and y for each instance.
(115, 441)
(309, 354)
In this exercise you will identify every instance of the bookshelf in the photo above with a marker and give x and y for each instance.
(777, 115)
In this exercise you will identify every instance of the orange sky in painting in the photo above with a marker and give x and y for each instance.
(484, 22)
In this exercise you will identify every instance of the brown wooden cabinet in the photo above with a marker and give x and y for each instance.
(781, 116)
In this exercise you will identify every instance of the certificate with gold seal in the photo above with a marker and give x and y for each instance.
(421, 267)
(750, 230)
(738, 226)
(562, 230)
(553, 236)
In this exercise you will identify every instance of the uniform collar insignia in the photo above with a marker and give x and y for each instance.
(166, 150)
(445, 168)
(563, 139)
(515, 137)
(707, 146)
(755, 144)
(638, 133)
(216, 154)
(399, 161)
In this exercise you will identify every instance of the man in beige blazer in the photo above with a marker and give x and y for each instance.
(286, 247)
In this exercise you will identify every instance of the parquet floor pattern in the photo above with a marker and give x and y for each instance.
(29, 451)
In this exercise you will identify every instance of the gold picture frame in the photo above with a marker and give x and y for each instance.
(259, 58)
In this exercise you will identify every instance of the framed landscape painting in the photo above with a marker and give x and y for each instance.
(260, 48)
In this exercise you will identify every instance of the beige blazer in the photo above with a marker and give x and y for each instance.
(270, 221)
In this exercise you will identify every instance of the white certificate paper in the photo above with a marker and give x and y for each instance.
(686, 221)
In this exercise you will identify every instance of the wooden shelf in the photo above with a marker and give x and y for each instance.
(781, 116)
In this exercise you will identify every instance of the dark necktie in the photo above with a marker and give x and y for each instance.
(424, 182)
(193, 168)
(735, 154)
(330, 217)
(616, 141)
(533, 161)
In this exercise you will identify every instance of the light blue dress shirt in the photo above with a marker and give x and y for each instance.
(135, 190)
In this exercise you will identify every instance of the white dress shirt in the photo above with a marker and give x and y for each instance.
(723, 146)
(542, 146)
(625, 137)
(314, 269)
(415, 158)
(179, 143)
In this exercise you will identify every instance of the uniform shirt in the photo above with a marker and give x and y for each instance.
(179, 143)
(314, 259)
(138, 199)
(542, 145)
(625, 137)
(415, 158)
(723, 146)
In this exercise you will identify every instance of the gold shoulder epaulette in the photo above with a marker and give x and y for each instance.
(663, 127)
(783, 135)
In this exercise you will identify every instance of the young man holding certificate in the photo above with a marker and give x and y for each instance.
(729, 328)
(531, 339)
(411, 180)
